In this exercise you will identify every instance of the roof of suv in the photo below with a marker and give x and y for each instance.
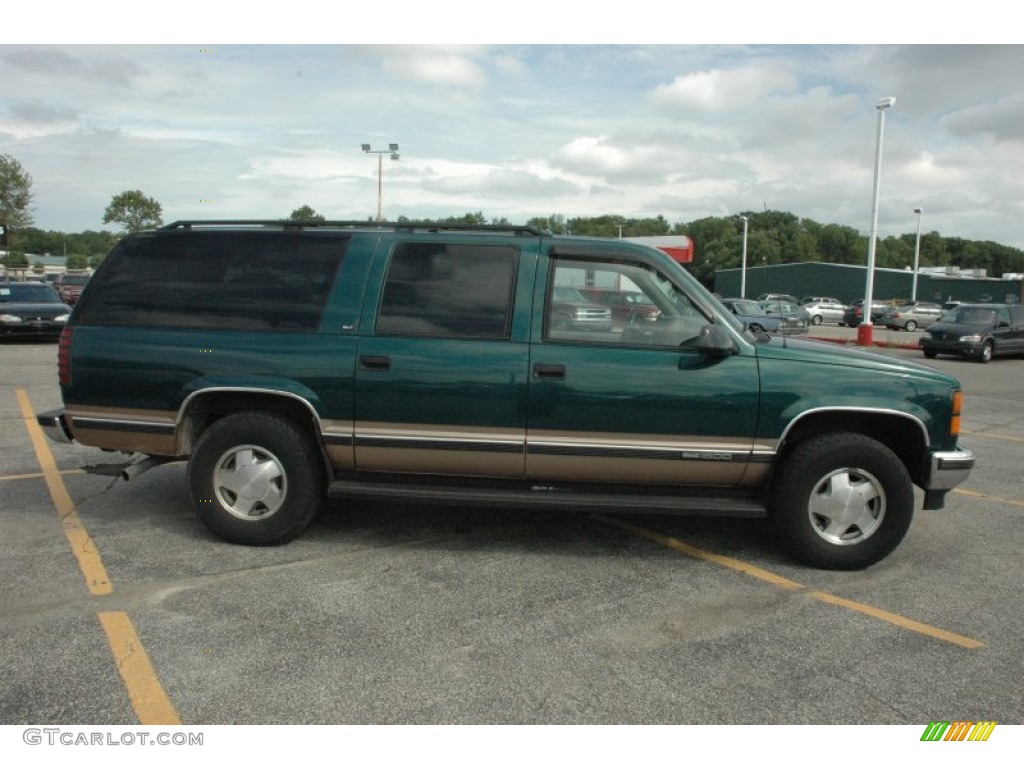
(354, 225)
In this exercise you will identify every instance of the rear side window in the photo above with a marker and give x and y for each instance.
(448, 290)
(262, 281)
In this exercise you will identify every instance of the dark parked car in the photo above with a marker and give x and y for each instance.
(570, 309)
(750, 313)
(31, 309)
(69, 287)
(981, 331)
(854, 314)
(909, 317)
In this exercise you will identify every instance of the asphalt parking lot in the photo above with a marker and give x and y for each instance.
(117, 607)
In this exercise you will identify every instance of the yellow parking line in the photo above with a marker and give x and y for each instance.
(993, 435)
(899, 621)
(144, 689)
(780, 581)
(700, 554)
(149, 700)
(980, 495)
(81, 543)
(39, 475)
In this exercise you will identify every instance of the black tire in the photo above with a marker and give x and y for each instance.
(930, 354)
(755, 328)
(911, 325)
(841, 501)
(986, 352)
(277, 465)
(816, 320)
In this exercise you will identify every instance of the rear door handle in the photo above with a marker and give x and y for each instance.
(548, 371)
(375, 363)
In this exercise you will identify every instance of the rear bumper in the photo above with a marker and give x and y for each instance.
(55, 424)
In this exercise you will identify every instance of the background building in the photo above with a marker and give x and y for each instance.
(846, 283)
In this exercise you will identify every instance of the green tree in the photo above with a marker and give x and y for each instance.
(15, 199)
(305, 213)
(76, 261)
(134, 211)
(15, 262)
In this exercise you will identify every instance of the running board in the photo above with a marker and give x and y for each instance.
(695, 501)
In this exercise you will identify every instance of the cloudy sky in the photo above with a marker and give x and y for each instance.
(520, 130)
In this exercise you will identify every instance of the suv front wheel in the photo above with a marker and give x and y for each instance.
(256, 479)
(842, 501)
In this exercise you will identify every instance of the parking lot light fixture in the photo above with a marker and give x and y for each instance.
(391, 150)
(865, 330)
(743, 267)
(917, 254)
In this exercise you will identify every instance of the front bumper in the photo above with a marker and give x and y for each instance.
(948, 469)
(31, 329)
(55, 424)
(962, 348)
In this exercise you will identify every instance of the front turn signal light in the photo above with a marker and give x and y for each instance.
(954, 421)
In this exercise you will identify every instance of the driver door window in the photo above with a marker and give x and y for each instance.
(616, 302)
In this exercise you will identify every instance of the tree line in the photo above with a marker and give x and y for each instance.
(773, 237)
(778, 237)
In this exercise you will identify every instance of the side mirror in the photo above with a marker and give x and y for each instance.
(715, 341)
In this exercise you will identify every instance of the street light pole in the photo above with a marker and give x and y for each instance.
(393, 151)
(743, 267)
(865, 330)
(917, 253)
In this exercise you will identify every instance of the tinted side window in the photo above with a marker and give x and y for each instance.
(226, 280)
(450, 290)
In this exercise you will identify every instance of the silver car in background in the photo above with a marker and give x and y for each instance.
(824, 310)
(909, 317)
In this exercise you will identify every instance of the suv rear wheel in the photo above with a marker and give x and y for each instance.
(842, 501)
(256, 478)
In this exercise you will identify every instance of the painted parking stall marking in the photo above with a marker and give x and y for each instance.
(149, 700)
(788, 584)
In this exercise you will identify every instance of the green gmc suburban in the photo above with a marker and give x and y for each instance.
(289, 362)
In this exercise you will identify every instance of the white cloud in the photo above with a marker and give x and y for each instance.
(434, 66)
(522, 131)
(724, 89)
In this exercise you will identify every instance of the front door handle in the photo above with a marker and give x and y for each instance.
(375, 363)
(548, 371)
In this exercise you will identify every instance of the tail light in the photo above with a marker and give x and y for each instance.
(64, 358)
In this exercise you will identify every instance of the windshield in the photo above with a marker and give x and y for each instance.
(28, 292)
(565, 293)
(971, 316)
(747, 308)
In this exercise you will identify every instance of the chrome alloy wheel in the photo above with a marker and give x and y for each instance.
(846, 506)
(250, 482)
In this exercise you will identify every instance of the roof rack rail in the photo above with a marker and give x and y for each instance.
(509, 228)
(314, 223)
(190, 223)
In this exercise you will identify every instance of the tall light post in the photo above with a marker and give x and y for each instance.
(743, 263)
(393, 151)
(917, 253)
(865, 330)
